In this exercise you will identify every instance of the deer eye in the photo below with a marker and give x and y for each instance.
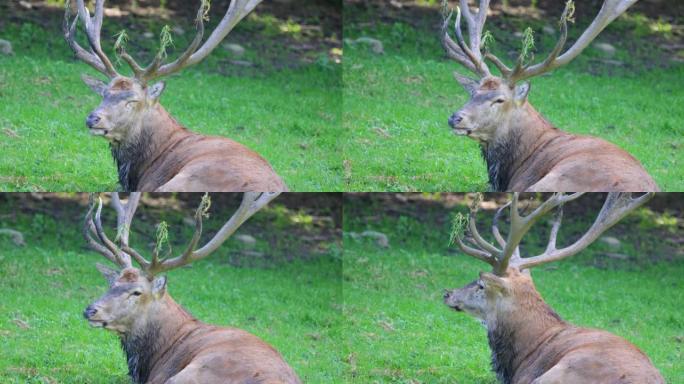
(498, 101)
(480, 284)
(136, 293)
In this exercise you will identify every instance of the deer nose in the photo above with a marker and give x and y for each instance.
(455, 119)
(446, 294)
(92, 120)
(89, 312)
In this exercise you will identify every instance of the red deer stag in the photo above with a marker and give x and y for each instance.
(523, 151)
(530, 343)
(152, 151)
(162, 341)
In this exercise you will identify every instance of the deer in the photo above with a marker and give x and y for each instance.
(523, 151)
(152, 151)
(529, 341)
(162, 341)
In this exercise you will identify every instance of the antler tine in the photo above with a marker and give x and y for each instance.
(251, 203)
(92, 27)
(195, 53)
(495, 225)
(105, 246)
(125, 213)
(610, 10)
(520, 225)
(472, 225)
(615, 207)
(69, 29)
(468, 56)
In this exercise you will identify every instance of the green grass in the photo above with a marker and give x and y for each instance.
(48, 283)
(290, 116)
(396, 105)
(399, 330)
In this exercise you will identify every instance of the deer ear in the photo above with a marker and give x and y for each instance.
(469, 84)
(159, 286)
(96, 85)
(521, 90)
(494, 282)
(109, 273)
(155, 91)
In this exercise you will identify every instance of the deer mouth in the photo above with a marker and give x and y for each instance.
(99, 131)
(462, 131)
(97, 323)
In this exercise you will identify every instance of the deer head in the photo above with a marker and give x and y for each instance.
(500, 290)
(497, 100)
(127, 101)
(135, 293)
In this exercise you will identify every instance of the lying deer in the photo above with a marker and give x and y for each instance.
(162, 341)
(523, 151)
(530, 343)
(152, 151)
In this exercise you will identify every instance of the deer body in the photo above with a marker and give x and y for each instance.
(530, 343)
(163, 156)
(522, 150)
(152, 151)
(527, 153)
(163, 343)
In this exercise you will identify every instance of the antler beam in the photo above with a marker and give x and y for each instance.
(121, 253)
(616, 206)
(470, 55)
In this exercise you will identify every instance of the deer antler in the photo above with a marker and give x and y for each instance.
(469, 56)
(119, 254)
(193, 54)
(610, 10)
(615, 207)
(96, 57)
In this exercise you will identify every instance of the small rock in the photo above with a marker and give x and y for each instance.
(375, 44)
(612, 242)
(379, 237)
(148, 35)
(235, 49)
(548, 30)
(178, 30)
(6, 47)
(26, 4)
(607, 49)
(17, 237)
(242, 63)
(248, 240)
(518, 35)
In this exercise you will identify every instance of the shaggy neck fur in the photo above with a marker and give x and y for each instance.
(513, 334)
(152, 336)
(143, 146)
(520, 137)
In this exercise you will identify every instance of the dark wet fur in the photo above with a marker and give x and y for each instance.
(139, 349)
(503, 352)
(129, 157)
(500, 157)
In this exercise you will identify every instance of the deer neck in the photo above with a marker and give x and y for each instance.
(516, 330)
(152, 335)
(156, 131)
(516, 141)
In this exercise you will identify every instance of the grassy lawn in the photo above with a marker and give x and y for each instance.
(45, 286)
(396, 104)
(286, 111)
(399, 330)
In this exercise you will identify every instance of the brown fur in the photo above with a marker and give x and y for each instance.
(165, 344)
(183, 161)
(524, 152)
(532, 344)
(155, 153)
